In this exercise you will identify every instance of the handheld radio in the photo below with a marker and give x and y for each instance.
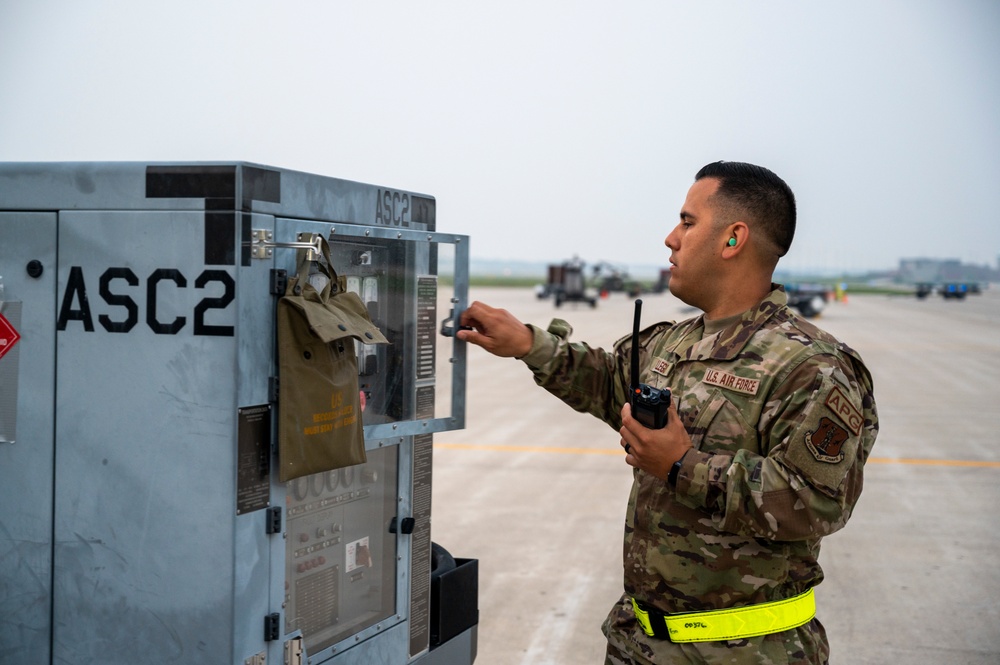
(649, 404)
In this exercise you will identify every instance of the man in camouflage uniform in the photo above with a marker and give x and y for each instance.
(769, 427)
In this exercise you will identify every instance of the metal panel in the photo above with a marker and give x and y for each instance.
(146, 411)
(258, 586)
(333, 595)
(26, 464)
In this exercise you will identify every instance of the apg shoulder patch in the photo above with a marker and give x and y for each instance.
(841, 406)
(826, 442)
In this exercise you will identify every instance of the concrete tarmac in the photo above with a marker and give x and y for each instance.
(537, 492)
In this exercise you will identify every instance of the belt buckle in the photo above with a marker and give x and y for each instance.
(649, 622)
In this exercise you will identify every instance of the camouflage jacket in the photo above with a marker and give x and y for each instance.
(782, 418)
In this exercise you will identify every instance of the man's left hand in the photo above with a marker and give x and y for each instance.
(653, 450)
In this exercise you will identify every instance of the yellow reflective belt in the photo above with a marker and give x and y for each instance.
(731, 624)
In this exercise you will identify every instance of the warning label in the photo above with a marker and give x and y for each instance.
(8, 336)
(9, 371)
(358, 555)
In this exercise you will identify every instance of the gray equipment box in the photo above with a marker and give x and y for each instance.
(142, 519)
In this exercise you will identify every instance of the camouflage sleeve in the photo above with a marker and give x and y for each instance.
(590, 380)
(815, 433)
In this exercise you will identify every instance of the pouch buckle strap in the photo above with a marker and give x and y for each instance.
(730, 624)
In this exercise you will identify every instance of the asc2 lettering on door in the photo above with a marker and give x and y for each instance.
(122, 300)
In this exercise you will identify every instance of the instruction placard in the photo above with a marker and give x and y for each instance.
(254, 459)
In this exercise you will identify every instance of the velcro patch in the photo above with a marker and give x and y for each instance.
(826, 442)
(661, 366)
(843, 409)
(732, 382)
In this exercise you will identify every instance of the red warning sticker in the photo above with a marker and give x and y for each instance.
(8, 336)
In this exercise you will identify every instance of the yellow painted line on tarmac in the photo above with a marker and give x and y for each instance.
(934, 462)
(613, 451)
(529, 449)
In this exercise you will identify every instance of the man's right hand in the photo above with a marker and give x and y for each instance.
(496, 330)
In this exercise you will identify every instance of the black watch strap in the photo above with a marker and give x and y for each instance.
(674, 470)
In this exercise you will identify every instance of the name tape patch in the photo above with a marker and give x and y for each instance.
(732, 382)
(843, 409)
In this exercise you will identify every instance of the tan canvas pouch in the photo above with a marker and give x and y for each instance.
(319, 404)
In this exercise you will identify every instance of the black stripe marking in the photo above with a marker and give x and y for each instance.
(217, 185)
(260, 185)
(190, 182)
(220, 238)
(424, 211)
(246, 229)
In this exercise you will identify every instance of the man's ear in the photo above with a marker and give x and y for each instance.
(737, 237)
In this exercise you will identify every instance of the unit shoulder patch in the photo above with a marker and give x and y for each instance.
(731, 382)
(837, 401)
(826, 442)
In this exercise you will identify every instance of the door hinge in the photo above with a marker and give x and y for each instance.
(279, 281)
(273, 519)
(272, 627)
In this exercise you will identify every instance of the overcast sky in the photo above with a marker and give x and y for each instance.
(546, 129)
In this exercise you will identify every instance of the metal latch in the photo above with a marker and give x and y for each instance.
(451, 324)
(262, 244)
(404, 526)
(293, 651)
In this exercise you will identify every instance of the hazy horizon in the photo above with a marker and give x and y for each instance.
(546, 129)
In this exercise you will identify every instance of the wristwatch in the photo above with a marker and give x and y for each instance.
(675, 469)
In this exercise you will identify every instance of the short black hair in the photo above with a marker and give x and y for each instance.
(754, 191)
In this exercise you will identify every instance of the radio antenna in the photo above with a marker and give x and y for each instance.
(649, 405)
(635, 347)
